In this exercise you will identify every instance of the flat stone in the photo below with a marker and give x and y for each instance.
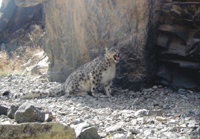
(166, 28)
(37, 130)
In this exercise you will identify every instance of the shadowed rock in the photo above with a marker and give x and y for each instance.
(3, 110)
(11, 111)
(29, 113)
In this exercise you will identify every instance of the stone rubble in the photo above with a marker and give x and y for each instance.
(151, 113)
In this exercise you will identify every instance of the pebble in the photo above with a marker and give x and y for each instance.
(155, 87)
(141, 112)
(77, 121)
(119, 136)
(172, 121)
(159, 118)
(191, 112)
(160, 86)
(186, 98)
(136, 101)
(182, 91)
(134, 121)
(134, 131)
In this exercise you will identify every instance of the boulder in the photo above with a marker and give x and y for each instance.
(37, 130)
(78, 31)
(29, 113)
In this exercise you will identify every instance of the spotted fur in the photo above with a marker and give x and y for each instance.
(87, 78)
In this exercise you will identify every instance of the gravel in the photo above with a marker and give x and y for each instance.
(151, 113)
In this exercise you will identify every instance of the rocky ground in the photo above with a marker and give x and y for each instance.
(151, 113)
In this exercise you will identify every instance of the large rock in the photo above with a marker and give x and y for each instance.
(78, 31)
(29, 113)
(37, 130)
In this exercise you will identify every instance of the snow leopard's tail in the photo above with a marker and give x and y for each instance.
(37, 93)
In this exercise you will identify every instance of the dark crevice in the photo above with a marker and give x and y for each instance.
(178, 45)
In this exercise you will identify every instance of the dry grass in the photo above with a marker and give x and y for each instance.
(12, 63)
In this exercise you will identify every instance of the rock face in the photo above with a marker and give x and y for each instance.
(36, 130)
(78, 31)
(17, 24)
(178, 44)
(28, 3)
